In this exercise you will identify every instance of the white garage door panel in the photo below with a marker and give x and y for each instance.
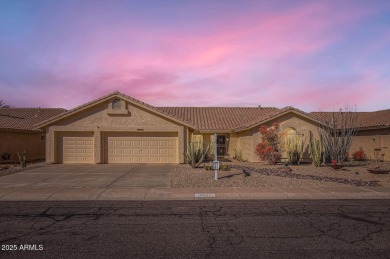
(141, 148)
(76, 148)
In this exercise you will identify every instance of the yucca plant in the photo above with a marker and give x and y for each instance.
(196, 154)
(316, 152)
(294, 149)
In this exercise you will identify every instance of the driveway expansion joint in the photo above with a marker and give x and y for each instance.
(108, 186)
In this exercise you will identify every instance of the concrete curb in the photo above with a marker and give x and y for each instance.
(233, 193)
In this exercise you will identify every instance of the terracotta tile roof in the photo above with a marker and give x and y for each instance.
(25, 118)
(225, 118)
(365, 120)
(269, 116)
(217, 118)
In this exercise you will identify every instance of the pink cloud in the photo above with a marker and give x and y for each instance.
(246, 59)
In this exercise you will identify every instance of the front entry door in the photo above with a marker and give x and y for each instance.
(221, 145)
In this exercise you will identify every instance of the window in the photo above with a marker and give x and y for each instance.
(116, 104)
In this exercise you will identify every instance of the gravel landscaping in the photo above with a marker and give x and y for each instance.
(7, 169)
(245, 174)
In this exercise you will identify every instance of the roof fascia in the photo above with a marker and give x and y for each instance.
(212, 131)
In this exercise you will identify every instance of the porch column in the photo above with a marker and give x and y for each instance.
(97, 146)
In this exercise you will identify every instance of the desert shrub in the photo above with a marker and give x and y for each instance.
(208, 167)
(224, 167)
(238, 155)
(268, 148)
(22, 158)
(359, 155)
(6, 156)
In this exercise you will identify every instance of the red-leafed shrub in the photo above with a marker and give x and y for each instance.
(359, 155)
(268, 149)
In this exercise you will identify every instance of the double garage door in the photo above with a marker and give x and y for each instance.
(119, 148)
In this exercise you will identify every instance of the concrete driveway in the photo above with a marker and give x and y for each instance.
(84, 182)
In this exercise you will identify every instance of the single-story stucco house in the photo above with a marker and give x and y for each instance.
(17, 133)
(117, 128)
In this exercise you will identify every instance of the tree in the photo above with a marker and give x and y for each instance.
(3, 105)
(336, 132)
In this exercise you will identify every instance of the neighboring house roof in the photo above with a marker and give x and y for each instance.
(25, 118)
(105, 98)
(365, 120)
(217, 118)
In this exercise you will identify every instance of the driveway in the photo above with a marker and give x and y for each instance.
(62, 182)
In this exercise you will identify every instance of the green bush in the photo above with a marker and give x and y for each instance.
(6, 156)
(224, 167)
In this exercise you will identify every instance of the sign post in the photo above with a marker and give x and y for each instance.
(215, 162)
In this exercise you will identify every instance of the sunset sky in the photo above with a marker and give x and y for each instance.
(313, 55)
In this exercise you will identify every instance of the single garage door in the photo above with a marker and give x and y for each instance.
(76, 147)
(141, 147)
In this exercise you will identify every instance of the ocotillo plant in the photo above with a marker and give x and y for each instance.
(316, 152)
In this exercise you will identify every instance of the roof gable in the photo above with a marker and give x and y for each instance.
(273, 115)
(105, 98)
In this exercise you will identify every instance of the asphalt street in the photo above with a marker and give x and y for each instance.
(204, 228)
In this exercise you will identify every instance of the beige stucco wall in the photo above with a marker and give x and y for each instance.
(14, 142)
(369, 140)
(97, 116)
(246, 143)
(98, 120)
(248, 139)
(232, 144)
